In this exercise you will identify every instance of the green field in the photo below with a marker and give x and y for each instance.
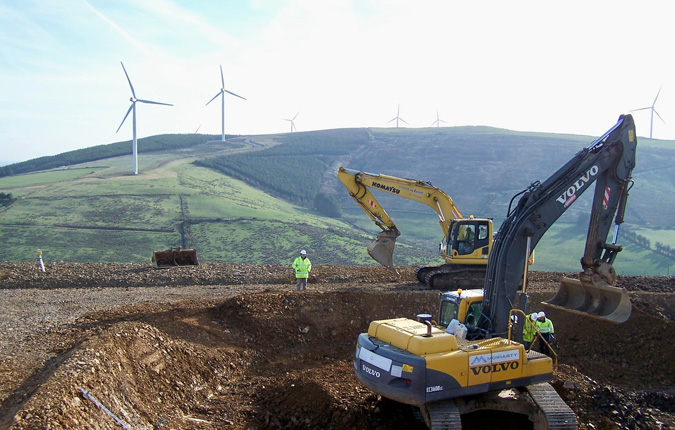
(96, 211)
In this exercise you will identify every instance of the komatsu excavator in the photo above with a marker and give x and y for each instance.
(466, 241)
(419, 362)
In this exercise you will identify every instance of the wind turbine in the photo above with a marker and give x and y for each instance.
(651, 122)
(397, 117)
(438, 120)
(222, 93)
(133, 100)
(292, 121)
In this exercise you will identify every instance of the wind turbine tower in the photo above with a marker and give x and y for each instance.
(397, 117)
(133, 100)
(222, 101)
(651, 108)
(292, 121)
(438, 121)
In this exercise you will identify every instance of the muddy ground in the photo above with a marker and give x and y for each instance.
(221, 346)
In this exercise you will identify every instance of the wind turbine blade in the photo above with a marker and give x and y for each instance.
(657, 96)
(657, 114)
(214, 97)
(230, 92)
(644, 108)
(296, 115)
(154, 103)
(222, 80)
(402, 120)
(393, 119)
(133, 93)
(125, 117)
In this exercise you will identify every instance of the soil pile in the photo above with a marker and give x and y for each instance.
(232, 346)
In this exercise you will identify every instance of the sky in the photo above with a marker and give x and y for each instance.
(559, 67)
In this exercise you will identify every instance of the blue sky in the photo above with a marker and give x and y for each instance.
(563, 67)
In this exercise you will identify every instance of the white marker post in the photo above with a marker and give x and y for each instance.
(39, 260)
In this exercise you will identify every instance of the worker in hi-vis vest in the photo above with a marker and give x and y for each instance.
(302, 267)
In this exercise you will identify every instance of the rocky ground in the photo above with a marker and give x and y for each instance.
(230, 346)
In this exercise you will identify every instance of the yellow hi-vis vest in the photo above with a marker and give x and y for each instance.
(545, 327)
(302, 267)
(529, 331)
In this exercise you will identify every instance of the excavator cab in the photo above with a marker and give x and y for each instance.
(174, 256)
(469, 239)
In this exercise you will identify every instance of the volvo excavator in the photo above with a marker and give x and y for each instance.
(466, 241)
(446, 373)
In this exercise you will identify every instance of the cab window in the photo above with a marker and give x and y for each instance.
(448, 312)
(473, 314)
(465, 239)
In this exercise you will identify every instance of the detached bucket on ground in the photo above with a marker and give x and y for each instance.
(600, 301)
(382, 248)
(174, 256)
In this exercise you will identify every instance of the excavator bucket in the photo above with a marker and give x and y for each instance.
(382, 248)
(174, 256)
(597, 300)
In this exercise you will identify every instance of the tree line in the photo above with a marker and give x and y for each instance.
(162, 142)
(660, 248)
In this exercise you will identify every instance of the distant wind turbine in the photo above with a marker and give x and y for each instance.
(651, 122)
(292, 121)
(133, 100)
(397, 117)
(222, 101)
(438, 120)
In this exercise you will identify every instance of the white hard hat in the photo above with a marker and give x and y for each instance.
(541, 315)
(533, 317)
(303, 252)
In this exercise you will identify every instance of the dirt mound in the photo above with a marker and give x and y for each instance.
(257, 355)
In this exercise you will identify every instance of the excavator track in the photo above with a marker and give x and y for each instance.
(442, 416)
(450, 277)
(558, 415)
(539, 402)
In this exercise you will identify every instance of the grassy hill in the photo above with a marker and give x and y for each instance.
(254, 199)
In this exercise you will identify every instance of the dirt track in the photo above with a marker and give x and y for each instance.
(231, 346)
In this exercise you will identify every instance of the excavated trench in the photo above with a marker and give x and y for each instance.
(266, 357)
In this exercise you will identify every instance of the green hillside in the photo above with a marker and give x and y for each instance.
(259, 199)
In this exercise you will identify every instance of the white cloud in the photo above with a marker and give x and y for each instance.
(568, 67)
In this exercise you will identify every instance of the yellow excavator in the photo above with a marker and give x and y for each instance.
(466, 241)
(447, 372)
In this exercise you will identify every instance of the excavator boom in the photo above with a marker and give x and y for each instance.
(608, 162)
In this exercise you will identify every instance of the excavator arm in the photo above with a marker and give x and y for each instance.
(359, 186)
(608, 162)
